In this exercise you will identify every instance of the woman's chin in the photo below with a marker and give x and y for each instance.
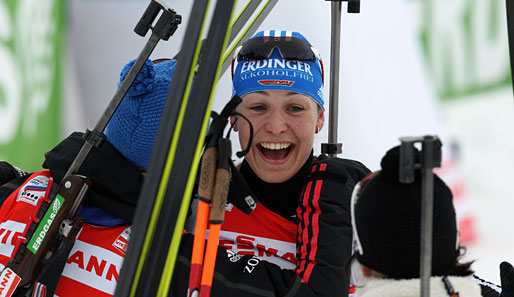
(276, 177)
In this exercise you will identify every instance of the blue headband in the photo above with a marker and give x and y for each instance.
(276, 73)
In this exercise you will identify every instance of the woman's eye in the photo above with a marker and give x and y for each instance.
(257, 107)
(295, 108)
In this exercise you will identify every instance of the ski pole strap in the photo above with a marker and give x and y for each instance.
(220, 121)
(240, 194)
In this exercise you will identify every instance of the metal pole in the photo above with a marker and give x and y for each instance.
(335, 47)
(430, 159)
(427, 211)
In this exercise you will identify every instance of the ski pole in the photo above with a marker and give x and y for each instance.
(217, 214)
(430, 159)
(205, 188)
(332, 148)
(207, 174)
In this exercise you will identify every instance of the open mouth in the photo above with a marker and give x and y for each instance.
(275, 151)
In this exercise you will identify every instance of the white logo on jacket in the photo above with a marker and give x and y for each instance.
(122, 241)
(33, 190)
(9, 233)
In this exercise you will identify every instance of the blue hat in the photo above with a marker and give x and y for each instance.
(277, 73)
(133, 127)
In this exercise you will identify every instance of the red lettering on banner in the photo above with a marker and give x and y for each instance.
(6, 236)
(269, 252)
(226, 244)
(14, 238)
(77, 258)
(5, 280)
(112, 272)
(289, 257)
(245, 243)
(93, 263)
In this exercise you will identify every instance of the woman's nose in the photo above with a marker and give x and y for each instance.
(276, 124)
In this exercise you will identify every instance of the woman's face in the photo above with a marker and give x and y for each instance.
(284, 125)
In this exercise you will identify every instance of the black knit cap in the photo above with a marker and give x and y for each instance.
(388, 221)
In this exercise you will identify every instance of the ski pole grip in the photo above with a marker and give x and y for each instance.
(207, 174)
(219, 199)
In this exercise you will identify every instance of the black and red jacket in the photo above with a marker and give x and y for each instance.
(319, 232)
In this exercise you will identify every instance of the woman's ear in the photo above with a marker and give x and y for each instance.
(320, 121)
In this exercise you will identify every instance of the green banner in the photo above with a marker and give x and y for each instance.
(466, 44)
(31, 56)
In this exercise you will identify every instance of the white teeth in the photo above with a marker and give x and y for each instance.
(275, 146)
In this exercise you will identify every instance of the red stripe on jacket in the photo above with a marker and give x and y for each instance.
(304, 234)
(315, 231)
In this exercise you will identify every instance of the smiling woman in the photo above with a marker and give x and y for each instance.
(284, 125)
(301, 226)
